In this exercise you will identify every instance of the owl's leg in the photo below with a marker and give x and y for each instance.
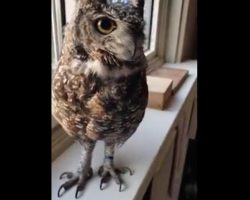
(83, 174)
(108, 171)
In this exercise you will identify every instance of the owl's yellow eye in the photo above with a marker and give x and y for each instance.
(105, 25)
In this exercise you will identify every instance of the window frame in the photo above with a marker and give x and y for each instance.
(57, 28)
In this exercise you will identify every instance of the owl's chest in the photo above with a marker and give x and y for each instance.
(118, 107)
(123, 94)
(100, 107)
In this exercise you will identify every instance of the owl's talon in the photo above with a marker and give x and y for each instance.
(78, 190)
(82, 183)
(76, 194)
(107, 173)
(66, 186)
(120, 182)
(59, 190)
(104, 179)
(101, 184)
(120, 187)
(74, 179)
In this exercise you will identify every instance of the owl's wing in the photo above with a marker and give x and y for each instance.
(70, 93)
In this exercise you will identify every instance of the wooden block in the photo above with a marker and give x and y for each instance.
(159, 92)
(177, 75)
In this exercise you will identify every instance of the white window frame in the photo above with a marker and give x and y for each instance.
(56, 21)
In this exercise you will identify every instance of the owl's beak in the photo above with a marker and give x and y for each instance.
(135, 50)
(138, 51)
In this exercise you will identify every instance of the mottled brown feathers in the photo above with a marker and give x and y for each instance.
(98, 109)
(99, 90)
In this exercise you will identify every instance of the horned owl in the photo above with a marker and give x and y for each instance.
(99, 90)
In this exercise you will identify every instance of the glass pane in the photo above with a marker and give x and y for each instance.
(148, 9)
(52, 34)
(52, 51)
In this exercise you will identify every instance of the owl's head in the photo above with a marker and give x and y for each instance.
(112, 26)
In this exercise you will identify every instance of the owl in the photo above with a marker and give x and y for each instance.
(99, 90)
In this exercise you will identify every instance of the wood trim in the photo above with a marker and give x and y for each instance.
(180, 42)
(173, 164)
(161, 178)
(166, 146)
(162, 28)
(193, 122)
(174, 23)
(192, 129)
(186, 46)
(181, 144)
(156, 53)
(159, 160)
(154, 63)
(182, 30)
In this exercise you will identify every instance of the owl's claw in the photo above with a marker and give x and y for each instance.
(107, 172)
(104, 179)
(67, 185)
(101, 183)
(120, 187)
(78, 190)
(82, 183)
(79, 180)
(76, 194)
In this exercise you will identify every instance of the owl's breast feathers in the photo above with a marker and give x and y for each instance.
(88, 106)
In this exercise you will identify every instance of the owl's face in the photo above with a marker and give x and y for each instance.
(116, 28)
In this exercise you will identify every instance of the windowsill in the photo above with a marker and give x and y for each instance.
(141, 152)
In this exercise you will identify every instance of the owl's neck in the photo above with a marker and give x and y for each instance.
(106, 72)
(102, 63)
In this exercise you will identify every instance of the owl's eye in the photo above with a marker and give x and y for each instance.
(105, 25)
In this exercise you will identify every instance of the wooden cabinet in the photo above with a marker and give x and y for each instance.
(167, 179)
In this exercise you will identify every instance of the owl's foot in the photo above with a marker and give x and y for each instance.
(79, 179)
(106, 172)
